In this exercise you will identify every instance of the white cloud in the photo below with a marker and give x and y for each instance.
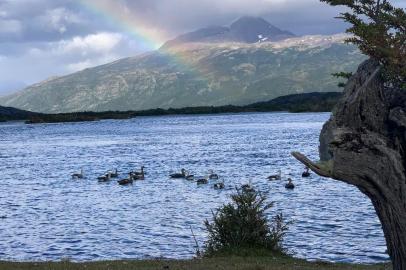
(38, 61)
(100, 42)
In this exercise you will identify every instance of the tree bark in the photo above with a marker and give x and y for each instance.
(364, 144)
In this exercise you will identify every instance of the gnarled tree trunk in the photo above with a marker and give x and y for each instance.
(364, 144)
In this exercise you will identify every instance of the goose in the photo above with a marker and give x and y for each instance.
(248, 187)
(114, 174)
(104, 178)
(78, 175)
(276, 176)
(213, 175)
(182, 174)
(140, 172)
(306, 173)
(126, 181)
(138, 176)
(219, 185)
(202, 181)
(290, 184)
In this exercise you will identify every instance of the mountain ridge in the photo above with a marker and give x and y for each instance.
(197, 74)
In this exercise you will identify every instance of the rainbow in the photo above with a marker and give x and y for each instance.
(147, 37)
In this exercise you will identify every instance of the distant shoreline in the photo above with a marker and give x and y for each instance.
(298, 103)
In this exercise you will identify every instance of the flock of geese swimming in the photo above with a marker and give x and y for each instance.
(290, 184)
(184, 174)
(132, 176)
(140, 175)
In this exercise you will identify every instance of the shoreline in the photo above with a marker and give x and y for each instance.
(298, 103)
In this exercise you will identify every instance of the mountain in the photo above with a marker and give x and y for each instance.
(244, 30)
(197, 74)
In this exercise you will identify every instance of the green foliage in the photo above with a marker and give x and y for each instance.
(345, 75)
(379, 30)
(242, 224)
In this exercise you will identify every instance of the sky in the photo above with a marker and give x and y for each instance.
(40, 39)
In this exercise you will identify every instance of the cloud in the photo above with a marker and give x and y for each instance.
(58, 19)
(100, 43)
(39, 60)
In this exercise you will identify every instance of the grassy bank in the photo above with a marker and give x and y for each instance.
(223, 263)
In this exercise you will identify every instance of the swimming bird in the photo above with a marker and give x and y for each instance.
(290, 184)
(306, 173)
(213, 175)
(138, 176)
(276, 176)
(114, 174)
(219, 185)
(104, 178)
(190, 177)
(202, 181)
(182, 174)
(248, 187)
(141, 172)
(78, 175)
(126, 181)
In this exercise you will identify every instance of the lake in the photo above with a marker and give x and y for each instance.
(45, 215)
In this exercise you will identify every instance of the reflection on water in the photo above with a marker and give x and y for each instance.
(44, 215)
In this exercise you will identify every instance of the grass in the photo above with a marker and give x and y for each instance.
(217, 263)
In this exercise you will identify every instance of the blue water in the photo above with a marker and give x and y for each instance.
(45, 215)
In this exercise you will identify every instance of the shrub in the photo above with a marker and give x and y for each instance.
(243, 225)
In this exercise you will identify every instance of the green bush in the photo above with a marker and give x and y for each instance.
(242, 225)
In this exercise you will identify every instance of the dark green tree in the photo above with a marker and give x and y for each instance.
(379, 30)
(242, 225)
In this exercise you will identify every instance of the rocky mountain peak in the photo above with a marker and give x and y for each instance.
(246, 29)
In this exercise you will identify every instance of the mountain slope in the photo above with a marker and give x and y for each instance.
(197, 75)
(244, 30)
